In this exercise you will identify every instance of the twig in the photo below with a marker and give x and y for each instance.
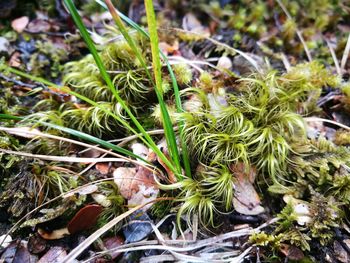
(69, 159)
(87, 242)
(218, 43)
(299, 34)
(285, 61)
(345, 54)
(315, 119)
(18, 82)
(334, 56)
(45, 135)
(54, 34)
(185, 248)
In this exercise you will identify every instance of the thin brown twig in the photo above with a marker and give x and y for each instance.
(345, 54)
(88, 241)
(69, 159)
(188, 245)
(299, 34)
(317, 119)
(334, 56)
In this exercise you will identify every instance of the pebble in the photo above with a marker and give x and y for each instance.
(4, 47)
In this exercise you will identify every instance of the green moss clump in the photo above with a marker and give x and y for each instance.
(83, 77)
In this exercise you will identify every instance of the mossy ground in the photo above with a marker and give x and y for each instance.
(242, 117)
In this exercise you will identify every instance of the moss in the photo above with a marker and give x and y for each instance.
(84, 78)
(183, 73)
(47, 59)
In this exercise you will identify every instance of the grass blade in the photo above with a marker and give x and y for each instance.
(168, 128)
(156, 63)
(77, 19)
(67, 90)
(81, 135)
(174, 84)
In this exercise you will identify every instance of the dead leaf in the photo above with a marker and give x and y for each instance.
(85, 190)
(129, 180)
(84, 219)
(137, 185)
(53, 235)
(42, 25)
(191, 23)
(246, 200)
(5, 240)
(340, 253)
(170, 173)
(36, 244)
(123, 178)
(92, 153)
(9, 253)
(111, 243)
(103, 168)
(140, 150)
(17, 252)
(291, 252)
(138, 228)
(54, 255)
(19, 24)
(144, 195)
(23, 255)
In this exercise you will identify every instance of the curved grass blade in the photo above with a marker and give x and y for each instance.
(174, 84)
(156, 64)
(80, 135)
(77, 19)
(168, 128)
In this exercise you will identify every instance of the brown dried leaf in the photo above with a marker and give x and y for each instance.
(85, 218)
(103, 168)
(130, 179)
(41, 25)
(53, 235)
(291, 252)
(112, 243)
(136, 184)
(54, 255)
(15, 59)
(36, 244)
(19, 24)
(246, 200)
(191, 23)
(123, 178)
(340, 253)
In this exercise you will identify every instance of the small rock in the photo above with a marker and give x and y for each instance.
(36, 244)
(112, 243)
(136, 231)
(54, 255)
(340, 252)
(224, 63)
(4, 47)
(19, 24)
(5, 240)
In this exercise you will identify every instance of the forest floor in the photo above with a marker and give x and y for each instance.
(232, 146)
